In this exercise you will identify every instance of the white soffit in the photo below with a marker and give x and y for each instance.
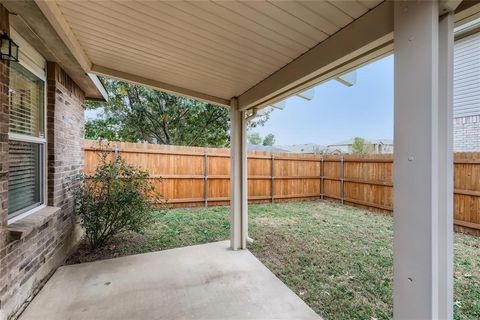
(212, 50)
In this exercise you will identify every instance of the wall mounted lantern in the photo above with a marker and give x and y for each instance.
(8, 48)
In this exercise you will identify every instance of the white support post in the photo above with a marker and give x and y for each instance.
(445, 166)
(423, 166)
(244, 181)
(238, 174)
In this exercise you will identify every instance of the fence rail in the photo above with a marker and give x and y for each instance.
(191, 176)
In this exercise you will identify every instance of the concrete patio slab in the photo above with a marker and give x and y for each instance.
(207, 281)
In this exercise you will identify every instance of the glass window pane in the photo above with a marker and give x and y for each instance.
(26, 102)
(24, 182)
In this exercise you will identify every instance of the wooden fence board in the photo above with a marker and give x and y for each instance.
(191, 176)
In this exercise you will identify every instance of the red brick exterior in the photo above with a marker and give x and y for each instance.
(65, 131)
(36, 245)
(4, 122)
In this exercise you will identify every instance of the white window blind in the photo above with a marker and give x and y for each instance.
(26, 102)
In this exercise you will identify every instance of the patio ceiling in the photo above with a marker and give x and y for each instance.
(209, 50)
(257, 51)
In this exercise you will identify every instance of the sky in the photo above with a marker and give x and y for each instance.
(338, 112)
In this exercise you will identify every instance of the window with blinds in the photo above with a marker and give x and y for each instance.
(26, 102)
(24, 183)
(26, 140)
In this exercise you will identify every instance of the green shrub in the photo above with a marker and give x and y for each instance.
(117, 198)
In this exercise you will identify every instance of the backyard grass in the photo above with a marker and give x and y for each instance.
(338, 259)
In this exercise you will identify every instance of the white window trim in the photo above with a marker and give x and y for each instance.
(26, 213)
(31, 60)
(25, 138)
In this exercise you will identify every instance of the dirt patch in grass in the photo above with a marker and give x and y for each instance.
(176, 228)
(276, 221)
(121, 245)
(338, 259)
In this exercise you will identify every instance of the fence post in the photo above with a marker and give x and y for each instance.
(322, 172)
(342, 178)
(273, 178)
(205, 181)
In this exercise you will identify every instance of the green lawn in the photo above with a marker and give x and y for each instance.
(338, 259)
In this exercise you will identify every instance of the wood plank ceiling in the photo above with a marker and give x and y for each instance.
(219, 48)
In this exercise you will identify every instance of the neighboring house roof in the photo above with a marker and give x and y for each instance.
(333, 151)
(343, 142)
(382, 141)
(304, 148)
(344, 145)
(252, 147)
(343, 148)
(349, 142)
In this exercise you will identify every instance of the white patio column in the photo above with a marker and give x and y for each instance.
(238, 178)
(423, 166)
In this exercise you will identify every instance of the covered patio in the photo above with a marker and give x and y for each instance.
(198, 282)
(246, 56)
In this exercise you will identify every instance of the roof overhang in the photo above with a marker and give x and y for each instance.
(31, 24)
(366, 39)
(307, 48)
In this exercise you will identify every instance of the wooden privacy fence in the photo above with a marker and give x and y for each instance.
(191, 176)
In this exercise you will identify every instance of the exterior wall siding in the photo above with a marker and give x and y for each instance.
(466, 94)
(466, 79)
(33, 247)
(466, 133)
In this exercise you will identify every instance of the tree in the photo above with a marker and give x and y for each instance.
(269, 140)
(135, 113)
(109, 128)
(254, 138)
(360, 146)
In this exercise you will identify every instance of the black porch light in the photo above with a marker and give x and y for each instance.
(8, 49)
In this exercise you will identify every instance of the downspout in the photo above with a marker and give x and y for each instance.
(247, 119)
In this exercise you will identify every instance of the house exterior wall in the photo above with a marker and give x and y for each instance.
(4, 120)
(466, 133)
(65, 132)
(34, 246)
(466, 128)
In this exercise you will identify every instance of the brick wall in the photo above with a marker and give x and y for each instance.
(65, 131)
(4, 120)
(466, 133)
(36, 245)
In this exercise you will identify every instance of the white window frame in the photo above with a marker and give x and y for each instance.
(31, 60)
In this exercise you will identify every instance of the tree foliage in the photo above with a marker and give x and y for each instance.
(360, 146)
(254, 138)
(269, 140)
(135, 113)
